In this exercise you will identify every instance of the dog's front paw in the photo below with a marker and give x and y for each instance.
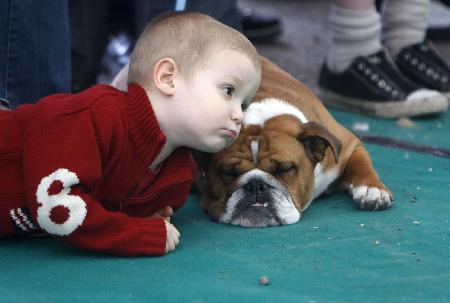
(370, 198)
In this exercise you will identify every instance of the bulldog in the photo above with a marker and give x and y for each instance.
(290, 151)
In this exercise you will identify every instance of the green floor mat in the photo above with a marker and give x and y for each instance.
(432, 130)
(336, 253)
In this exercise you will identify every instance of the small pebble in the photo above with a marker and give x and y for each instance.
(316, 227)
(418, 188)
(361, 126)
(264, 280)
(405, 123)
(362, 225)
(416, 222)
(430, 169)
(377, 242)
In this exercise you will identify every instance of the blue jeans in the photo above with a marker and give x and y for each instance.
(226, 11)
(34, 49)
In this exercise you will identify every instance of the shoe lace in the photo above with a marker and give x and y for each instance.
(422, 65)
(373, 74)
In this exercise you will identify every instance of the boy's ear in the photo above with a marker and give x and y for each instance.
(163, 75)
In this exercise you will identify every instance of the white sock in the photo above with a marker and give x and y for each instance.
(354, 33)
(404, 23)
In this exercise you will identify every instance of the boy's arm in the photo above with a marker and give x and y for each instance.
(62, 163)
(63, 209)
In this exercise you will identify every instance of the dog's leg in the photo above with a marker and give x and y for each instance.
(363, 183)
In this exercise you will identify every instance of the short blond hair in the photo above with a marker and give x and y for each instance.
(188, 38)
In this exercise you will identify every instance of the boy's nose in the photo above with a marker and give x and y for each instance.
(237, 116)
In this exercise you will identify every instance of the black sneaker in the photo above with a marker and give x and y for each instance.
(423, 65)
(258, 27)
(4, 104)
(373, 85)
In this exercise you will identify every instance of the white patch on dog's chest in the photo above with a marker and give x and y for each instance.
(323, 179)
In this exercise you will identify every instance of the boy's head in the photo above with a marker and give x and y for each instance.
(199, 74)
(190, 39)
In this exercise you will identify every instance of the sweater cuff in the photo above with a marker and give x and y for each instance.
(154, 236)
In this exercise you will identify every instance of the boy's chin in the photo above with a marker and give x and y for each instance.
(217, 146)
(214, 149)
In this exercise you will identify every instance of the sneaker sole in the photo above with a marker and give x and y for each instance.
(397, 109)
(447, 95)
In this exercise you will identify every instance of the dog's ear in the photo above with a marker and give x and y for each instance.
(316, 139)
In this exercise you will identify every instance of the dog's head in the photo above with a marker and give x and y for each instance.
(266, 178)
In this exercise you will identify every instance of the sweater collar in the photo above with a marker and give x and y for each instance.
(145, 131)
(148, 137)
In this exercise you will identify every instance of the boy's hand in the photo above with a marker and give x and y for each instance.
(173, 236)
(164, 213)
(167, 212)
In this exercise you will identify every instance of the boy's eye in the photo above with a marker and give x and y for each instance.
(228, 90)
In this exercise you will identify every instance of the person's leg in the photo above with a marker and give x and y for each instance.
(34, 52)
(360, 76)
(356, 28)
(226, 11)
(146, 10)
(89, 34)
(404, 30)
(404, 23)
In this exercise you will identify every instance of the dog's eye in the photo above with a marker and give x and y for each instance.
(228, 171)
(284, 168)
(231, 173)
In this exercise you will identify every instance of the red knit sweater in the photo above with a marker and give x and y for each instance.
(76, 166)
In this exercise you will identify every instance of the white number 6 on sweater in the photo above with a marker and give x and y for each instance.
(60, 213)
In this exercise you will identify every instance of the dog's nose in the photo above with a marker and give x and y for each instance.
(256, 187)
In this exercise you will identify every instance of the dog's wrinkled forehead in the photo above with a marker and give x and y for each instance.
(259, 112)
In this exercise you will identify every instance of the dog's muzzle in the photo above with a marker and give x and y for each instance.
(259, 200)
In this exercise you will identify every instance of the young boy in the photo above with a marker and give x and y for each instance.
(103, 169)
